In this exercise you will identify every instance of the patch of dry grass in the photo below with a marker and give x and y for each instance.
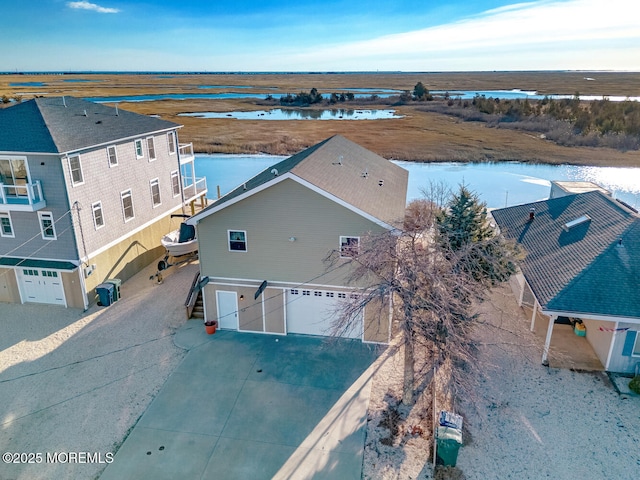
(419, 136)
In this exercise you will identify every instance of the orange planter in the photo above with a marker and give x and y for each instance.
(211, 327)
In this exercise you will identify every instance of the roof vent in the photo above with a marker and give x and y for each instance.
(339, 162)
(85, 113)
(578, 221)
(64, 102)
(365, 174)
(274, 171)
(532, 214)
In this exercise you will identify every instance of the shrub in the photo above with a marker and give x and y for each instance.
(634, 384)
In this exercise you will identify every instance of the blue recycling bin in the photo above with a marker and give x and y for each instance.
(105, 294)
(449, 438)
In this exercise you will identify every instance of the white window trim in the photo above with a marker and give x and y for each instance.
(340, 245)
(175, 174)
(7, 235)
(115, 151)
(74, 183)
(123, 194)
(157, 183)
(47, 215)
(135, 147)
(149, 150)
(94, 207)
(172, 135)
(635, 352)
(246, 247)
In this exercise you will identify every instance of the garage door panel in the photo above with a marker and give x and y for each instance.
(41, 286)
(311, 312)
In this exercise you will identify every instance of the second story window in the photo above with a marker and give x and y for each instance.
(155, 192)
(127, 205)
(113, 156)
(47, 227)
(75, 167)
(139, 149)
(237, 240)
(171, 138)
(175, 183)
(349, 246)
(6, 227)
(98, 217)
(151, 148)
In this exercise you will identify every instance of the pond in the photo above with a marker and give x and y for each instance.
(285, 114)
(498, 184)
(522, 94)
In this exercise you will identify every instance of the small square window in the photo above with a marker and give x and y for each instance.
(151, 149)
(6, 227)
(47, 226)
(127, 205)
(155, 192)
(75, 167)
(306, 293)
(139, 149)
(113, 156)
(237, 240)
(294, 291)
(349, 246)
(98, 217)
(175, 183)
(317, 294)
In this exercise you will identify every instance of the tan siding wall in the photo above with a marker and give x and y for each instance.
(600, 341)
(376, 322)
(274, 310)
(9, 292)
(249, 310)
(72, 289)
(270, 218)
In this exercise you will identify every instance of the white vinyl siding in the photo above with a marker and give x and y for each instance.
(113, 155)
(127, 205)
(151, 149)
(47, 226)
(175, 183)
(75, 167)
(139, 148)
(155, 192)
(6, 227)
(98, 217)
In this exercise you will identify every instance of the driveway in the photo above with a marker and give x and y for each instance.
(254, 406)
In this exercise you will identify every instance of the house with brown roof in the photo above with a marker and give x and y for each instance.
(583, 264)
(86, 193)
(262, 245)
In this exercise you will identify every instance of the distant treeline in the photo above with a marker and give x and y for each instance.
(304, 99)
(570, 121)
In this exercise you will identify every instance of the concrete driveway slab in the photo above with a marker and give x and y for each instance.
(265, 406)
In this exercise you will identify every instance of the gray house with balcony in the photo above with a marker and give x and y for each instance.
(86, 192)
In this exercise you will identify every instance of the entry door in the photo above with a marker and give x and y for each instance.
(227, 309)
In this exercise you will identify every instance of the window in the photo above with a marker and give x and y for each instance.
(47, 227)
(636, 348)
(349, 246)
(127, 205)
(171, 138)
(175, 183)
(98, 218)
(113, 157)
(151, 148)
(237, 240)
(139, 149)
(294, 291)
(6, 227)
(76, 170)
(155, 192)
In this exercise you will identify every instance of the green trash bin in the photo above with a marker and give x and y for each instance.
(448, 443)
(116, 282)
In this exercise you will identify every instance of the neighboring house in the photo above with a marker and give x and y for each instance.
(262, 245)
(86, 193)
(582, 262)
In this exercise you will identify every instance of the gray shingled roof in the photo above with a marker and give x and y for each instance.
(593, 268)
(46, 125)
(344, 169)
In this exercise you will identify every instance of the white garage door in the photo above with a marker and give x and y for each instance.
(41, 286)
(310, 312)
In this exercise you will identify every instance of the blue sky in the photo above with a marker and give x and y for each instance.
(320, 35)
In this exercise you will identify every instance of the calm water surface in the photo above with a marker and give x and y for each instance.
(498, 184)
(286, 114)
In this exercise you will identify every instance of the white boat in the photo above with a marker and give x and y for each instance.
(180, 242)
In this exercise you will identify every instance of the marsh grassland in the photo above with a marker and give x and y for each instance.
(418, 136)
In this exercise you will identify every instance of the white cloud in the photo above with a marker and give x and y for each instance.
(84, 5)
(576, 33)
